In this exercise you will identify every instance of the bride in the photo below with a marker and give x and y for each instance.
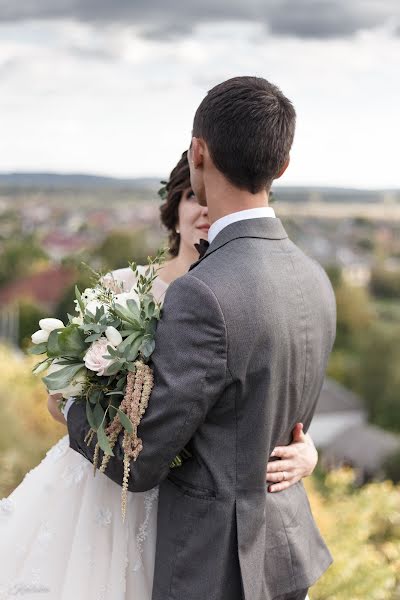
(61, 532)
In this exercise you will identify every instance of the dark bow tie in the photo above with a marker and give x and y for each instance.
(202, 247)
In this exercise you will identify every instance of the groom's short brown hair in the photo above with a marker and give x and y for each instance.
(248, 126)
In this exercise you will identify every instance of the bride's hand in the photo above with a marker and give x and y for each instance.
(298, 460)
(52, 405)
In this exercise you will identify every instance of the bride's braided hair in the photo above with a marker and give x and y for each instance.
(179, 180)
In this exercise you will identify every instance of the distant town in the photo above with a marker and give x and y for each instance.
(51, 224)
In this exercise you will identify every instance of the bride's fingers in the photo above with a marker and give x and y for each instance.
(280, 465)
(283, 485)
(284, 452)
(278, 477)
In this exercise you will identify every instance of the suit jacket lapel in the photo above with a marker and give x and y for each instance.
(265, 227)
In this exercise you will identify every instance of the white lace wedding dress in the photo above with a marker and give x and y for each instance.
(61, 531)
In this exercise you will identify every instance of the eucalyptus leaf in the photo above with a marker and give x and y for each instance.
(125, 421)
(120, 383)
(111, 351)
(135, 348)
(103, 441)
(128, 341)
(147, 347)
(133, 308)
(38, 348)
(92, 338)
(89, 416)
(63, 377)
(126, 316)
(53, 346)
(98, 415)
(151, 327)
(41, 366)
(112, 411)
(71, 341)
(114, 368)
(95, 396)
(79, 298)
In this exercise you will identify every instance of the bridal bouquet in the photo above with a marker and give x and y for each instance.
(100, 358)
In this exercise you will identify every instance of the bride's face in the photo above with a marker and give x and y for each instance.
(193, 223)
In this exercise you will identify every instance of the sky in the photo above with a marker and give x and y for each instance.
(111, 88)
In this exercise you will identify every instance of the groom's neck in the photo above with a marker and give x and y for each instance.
(224, 199)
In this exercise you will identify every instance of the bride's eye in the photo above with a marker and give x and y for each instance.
(190, 195)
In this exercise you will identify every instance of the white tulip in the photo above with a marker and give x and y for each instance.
(40, 336)
(41, 368)
(113, 336)
(51, 324)
(77, 320)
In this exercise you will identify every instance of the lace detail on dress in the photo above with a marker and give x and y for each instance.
(103, 516)
(20, 588)
(143, 532)
(73, 474)
(52, 455)
(58, 450)
(45, 535)
(6, 507)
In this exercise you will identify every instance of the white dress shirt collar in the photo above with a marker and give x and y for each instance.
(241, 215)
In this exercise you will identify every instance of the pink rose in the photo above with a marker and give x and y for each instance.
(94, 357)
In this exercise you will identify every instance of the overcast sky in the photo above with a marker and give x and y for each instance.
(111, 87)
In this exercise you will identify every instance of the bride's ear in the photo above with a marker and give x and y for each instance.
(283, 169)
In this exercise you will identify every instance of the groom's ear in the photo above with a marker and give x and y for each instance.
(283, 169)
(197, 153)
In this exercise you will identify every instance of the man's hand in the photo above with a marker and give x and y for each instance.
(53, 407)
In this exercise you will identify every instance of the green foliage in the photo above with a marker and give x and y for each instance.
(385, 284)
(391, 467)
(366, 354)
(355, 314)
(378, 377)
(27, 429)
(120, 247)
(18, 257)
(334, 273)
(29, 317)
(66, 304)
(361, 527)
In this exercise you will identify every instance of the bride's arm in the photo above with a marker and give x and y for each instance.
(53, 401)
(297, 460)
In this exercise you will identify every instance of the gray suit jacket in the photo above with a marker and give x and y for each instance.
(240, 357)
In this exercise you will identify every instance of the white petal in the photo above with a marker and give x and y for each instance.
(40, 336)
(51, 324)
(113, 336)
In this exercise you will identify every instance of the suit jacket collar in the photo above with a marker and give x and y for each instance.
(265, 227)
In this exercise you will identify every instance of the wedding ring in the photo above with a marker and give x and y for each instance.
(283, 476)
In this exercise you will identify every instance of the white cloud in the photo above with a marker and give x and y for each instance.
(104, 100)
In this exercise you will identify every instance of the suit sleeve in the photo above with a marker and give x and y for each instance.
(190, 367)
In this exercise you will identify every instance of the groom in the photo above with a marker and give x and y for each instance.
(240, 357)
